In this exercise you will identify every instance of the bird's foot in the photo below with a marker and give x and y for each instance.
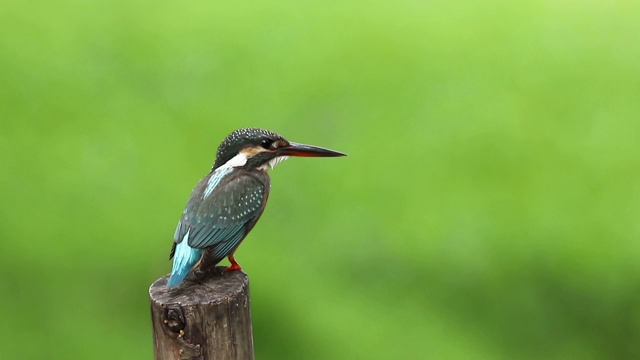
(234, 265)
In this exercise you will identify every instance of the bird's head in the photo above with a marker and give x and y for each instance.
(257, 148)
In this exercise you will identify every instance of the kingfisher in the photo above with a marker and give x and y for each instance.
(226, 204)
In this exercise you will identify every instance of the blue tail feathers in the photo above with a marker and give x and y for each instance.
(184, 259)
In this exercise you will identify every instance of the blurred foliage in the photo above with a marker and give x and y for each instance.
(488, 208)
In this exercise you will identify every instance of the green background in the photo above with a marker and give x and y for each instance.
(488, 208)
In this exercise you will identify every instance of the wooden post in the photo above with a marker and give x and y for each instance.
(207, 320)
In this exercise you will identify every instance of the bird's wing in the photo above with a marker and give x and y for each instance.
(220, 219)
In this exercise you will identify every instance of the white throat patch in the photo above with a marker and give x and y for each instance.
(273, 162)
(242, 157)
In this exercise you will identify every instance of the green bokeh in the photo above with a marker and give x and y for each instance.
(488, 208)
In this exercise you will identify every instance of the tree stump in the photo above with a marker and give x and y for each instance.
(203, 320)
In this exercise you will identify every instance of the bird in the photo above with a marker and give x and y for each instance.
(226, 204)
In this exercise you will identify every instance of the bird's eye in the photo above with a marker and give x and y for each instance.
(266, 143)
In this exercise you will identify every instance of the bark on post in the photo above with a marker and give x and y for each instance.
(207, 320)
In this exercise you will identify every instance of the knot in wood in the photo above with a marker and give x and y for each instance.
(174, 320)
(200, 320)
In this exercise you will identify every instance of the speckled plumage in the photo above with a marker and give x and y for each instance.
(226, 204)
(238, 139)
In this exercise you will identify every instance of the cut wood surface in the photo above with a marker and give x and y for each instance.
(208, 319)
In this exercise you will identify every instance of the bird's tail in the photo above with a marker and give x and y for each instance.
(184, 259)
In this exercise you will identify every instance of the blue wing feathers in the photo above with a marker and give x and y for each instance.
(224, 249)
(216, 220)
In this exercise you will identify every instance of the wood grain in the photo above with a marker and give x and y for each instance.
(204, 320)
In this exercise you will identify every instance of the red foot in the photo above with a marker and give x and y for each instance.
(234, 265)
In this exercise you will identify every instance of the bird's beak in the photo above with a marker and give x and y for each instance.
(295, 149)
